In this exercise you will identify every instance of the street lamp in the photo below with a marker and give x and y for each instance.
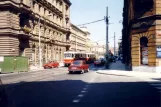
(40, 50)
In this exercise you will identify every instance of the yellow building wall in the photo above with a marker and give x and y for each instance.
(135, 48)
(158, 6)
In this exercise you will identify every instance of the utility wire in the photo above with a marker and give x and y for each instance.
(91, 22)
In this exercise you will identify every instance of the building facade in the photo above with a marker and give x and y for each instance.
(98, 49)
(78, 39)
(142, 25)
(85, 29)
(37, 29)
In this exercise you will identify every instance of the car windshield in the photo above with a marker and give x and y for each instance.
(77, 63)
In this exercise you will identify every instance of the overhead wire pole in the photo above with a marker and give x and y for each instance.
(114, 44)
(107, 22)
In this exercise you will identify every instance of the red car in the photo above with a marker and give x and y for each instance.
(78, 66)
(51, 64)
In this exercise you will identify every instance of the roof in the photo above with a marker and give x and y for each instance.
(68, 2)
(74, 26)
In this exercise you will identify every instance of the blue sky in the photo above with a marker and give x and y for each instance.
(83, 11)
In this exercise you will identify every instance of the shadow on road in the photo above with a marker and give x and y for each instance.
(62, 94)
(156, 79)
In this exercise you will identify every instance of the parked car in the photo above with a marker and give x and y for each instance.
(78, 66)
(51, 64)
(3, 96)
(100, 62)
(97, 62)
(103, 61)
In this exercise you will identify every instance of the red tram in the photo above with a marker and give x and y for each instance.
(69, 57)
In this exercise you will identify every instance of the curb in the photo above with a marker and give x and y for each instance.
(114, 74)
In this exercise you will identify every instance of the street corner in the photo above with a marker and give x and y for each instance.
(113, 72)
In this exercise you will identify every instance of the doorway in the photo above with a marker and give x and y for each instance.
(144, 50)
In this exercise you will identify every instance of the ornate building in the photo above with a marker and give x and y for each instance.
(98, 49)
(142, 35)
(78, 39)
(22, 22)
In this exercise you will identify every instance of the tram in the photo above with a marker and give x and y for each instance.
(69, 57)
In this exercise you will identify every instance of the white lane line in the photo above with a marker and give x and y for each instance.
(76, 101)
(83, 91)
(81, 95)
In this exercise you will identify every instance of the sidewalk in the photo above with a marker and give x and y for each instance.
(118, 69)
(32, 69)
(117, 66)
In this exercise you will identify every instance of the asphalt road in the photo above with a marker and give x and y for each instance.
(60, 89)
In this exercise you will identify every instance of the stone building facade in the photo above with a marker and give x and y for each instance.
(142, 26)
(23, 21)
(98, 49)
(78, 39)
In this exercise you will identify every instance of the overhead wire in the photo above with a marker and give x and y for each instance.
(91, 22)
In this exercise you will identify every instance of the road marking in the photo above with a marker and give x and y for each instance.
(83, 91)
(81, 95)
(76, 101)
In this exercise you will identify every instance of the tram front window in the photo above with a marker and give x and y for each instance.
(68, 55)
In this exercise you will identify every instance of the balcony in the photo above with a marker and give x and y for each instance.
(51, 7)
(68, 43)
(25, 5)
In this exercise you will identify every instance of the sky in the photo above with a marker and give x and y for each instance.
(84, 11)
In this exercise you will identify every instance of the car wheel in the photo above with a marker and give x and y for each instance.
(82, 71)
(70, 72)
(88, 70)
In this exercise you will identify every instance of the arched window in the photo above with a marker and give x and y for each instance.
(144, 50)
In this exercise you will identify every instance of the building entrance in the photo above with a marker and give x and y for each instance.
(144, 50)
